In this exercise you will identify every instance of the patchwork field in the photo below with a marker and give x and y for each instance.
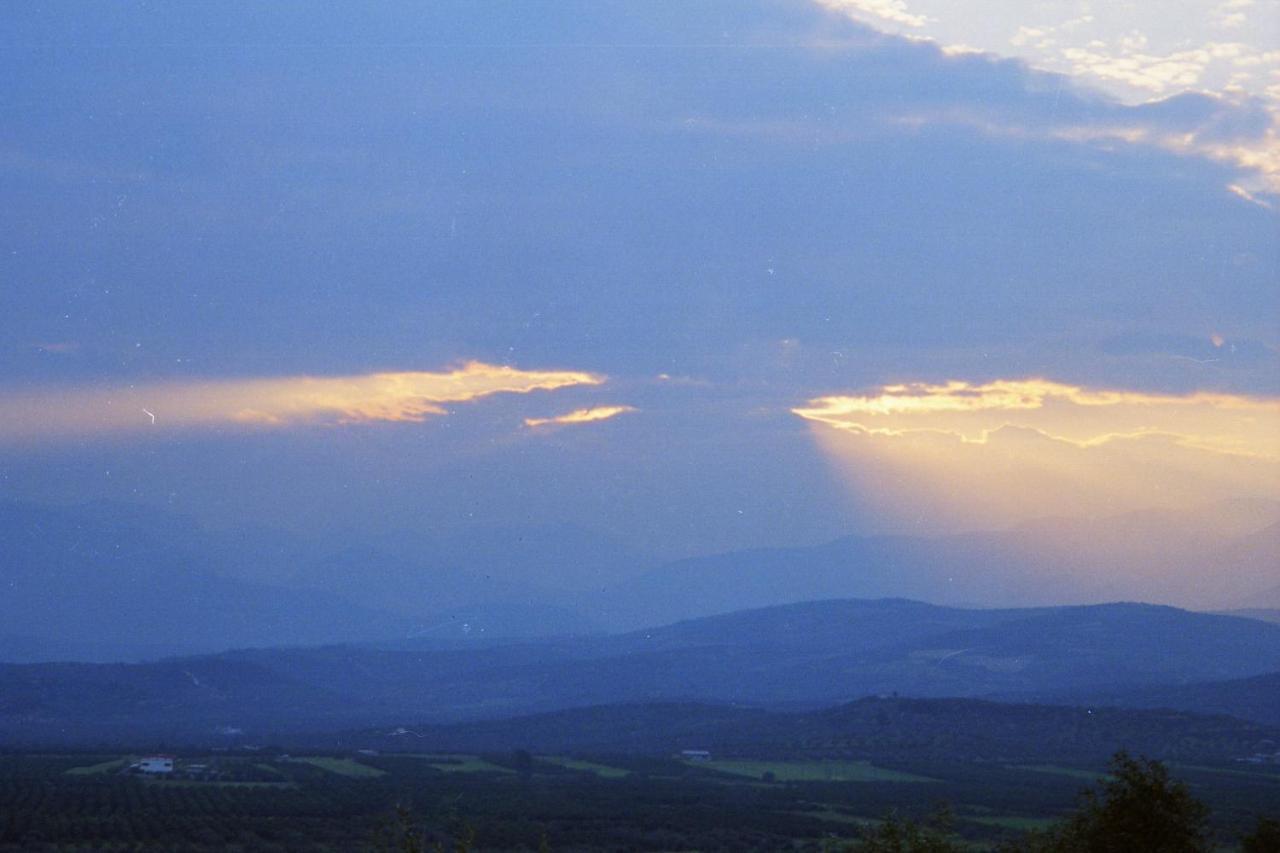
(810, 771)
(512, 801)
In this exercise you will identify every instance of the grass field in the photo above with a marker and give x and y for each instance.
(95, 769)
(217, 783)
(604, 771)
(1254, 771)
(320, 802)
(1017, 822)
(811, 771)
(466, 764)
(342, 766)
(1058, 770)
(839, 817)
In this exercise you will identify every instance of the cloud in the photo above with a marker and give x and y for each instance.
(894, 11)
(995, 453)
(1243, 193)
(411, 396)
(1240, 132)
(579, 416)
(1134, 52)
(1224, 423)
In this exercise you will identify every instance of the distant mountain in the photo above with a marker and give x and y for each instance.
(107, 581)
(884, 727)
(496, 621)
(557, 557)
(1202, 559)
(121, 582)
(410, 586)
(116, 578)
(18, 648)
(1257, 556)
(1256, 698)
(1261, 615)
(485, 571)
(803, 655)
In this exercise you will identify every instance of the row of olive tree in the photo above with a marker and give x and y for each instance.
(1139, 808)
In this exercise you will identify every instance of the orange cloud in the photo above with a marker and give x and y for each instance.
(971, 412)
(580, 416)
(990, 454)
(277, 402)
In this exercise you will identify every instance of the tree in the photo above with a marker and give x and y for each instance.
(902, 835)
(1265, 837)
(402, 833)
(1139, 809)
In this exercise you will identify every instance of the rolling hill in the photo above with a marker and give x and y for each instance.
(120, 582)
(1215, 557)
(1256, 698)
(875, 727)
(798, 656)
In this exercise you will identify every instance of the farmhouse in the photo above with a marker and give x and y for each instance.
(156, 764)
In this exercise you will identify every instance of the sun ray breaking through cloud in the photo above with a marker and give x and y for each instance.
(995, 453)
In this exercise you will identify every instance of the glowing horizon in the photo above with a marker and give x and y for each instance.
(995, 453)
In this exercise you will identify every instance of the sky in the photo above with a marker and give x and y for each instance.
(700, 275)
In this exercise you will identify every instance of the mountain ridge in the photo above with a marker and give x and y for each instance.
(804, 655)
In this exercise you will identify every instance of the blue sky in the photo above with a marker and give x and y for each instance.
(719, 211)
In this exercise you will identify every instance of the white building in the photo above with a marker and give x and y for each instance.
(156, 764)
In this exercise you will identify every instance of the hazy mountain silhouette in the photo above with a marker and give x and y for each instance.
(112, 581)
(114, 577)
(806, 654)
(1256, 698)
(1200, 559)
(1265, 615)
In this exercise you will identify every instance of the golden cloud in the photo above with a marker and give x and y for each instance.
(580, 416)
(989, 454)
(971, 412)
(276, 402)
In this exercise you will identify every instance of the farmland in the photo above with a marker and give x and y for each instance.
(329, 802)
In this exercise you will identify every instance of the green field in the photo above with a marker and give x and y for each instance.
(326, 803)
(604, 771)
(810, 771)
(1017, 822)
(838, 817)
(102, 767)
(1058, 770)
(1254, 771)
(342, 766)
(467, 764)
(215, 783)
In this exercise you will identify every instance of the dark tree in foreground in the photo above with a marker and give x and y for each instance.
(899, 835)
(403, 834)
(1140, 809)
(1265, 837)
